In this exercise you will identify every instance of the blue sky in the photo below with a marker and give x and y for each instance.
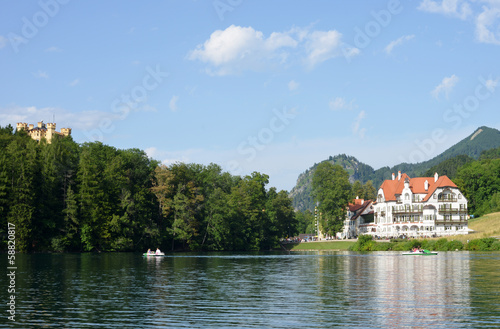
(268, 86)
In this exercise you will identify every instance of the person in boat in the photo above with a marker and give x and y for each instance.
(158, 251)
(149, 252)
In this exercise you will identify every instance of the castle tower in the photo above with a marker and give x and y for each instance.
(22, 126)
(66, 131)
(51, 130)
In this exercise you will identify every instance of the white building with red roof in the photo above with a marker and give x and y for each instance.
(359, 219)
(419, 207)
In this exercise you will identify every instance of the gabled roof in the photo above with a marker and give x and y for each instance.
(359, 207)
(442, 181)
(354, 207)
(393, 188)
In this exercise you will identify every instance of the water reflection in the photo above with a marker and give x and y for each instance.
(259, 290)
(406, 290)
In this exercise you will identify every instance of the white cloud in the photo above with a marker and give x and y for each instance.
(293, 85)
(398, 42)
(445, 87)
(53, 49)
(356, 130)
(41, 75)
(339, 103)
(453, 8)
(239, 48)
(486, 21)
(487, 26)
(173, 103)
(3, 41)
(74, 82)
(323, 45)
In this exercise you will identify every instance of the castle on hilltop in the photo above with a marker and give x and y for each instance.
(42, 130)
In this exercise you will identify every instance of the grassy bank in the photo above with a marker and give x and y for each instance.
(325, 245)
(487, 226)
(486, 237)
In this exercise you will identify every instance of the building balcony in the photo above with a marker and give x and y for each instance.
(447, 199)
(408, 210)
(452, 210)
(450, 222)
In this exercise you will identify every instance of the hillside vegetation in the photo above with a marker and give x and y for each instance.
(487, 226)
(483, 140)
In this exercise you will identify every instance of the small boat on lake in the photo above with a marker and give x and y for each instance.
(424, 252)
(156, 253)
(153, 255)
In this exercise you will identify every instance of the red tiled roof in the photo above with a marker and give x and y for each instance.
(359, 206)
(442, 181)
(393, 188)
(354, 207)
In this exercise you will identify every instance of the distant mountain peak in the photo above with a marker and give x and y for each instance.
(469, 148)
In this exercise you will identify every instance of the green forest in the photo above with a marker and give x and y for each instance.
(66, 196)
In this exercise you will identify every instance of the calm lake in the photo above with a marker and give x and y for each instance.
(255, 290)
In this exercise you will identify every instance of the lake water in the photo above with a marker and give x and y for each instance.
(255, 290)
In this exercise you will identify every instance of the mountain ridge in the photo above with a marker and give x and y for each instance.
(482, 139)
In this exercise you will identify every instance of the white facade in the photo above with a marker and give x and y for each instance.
(420, 207)
(359, 219)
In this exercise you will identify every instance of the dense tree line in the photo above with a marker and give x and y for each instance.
(204, 208)
(65, 196)
(480, 182)
(449, 167)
